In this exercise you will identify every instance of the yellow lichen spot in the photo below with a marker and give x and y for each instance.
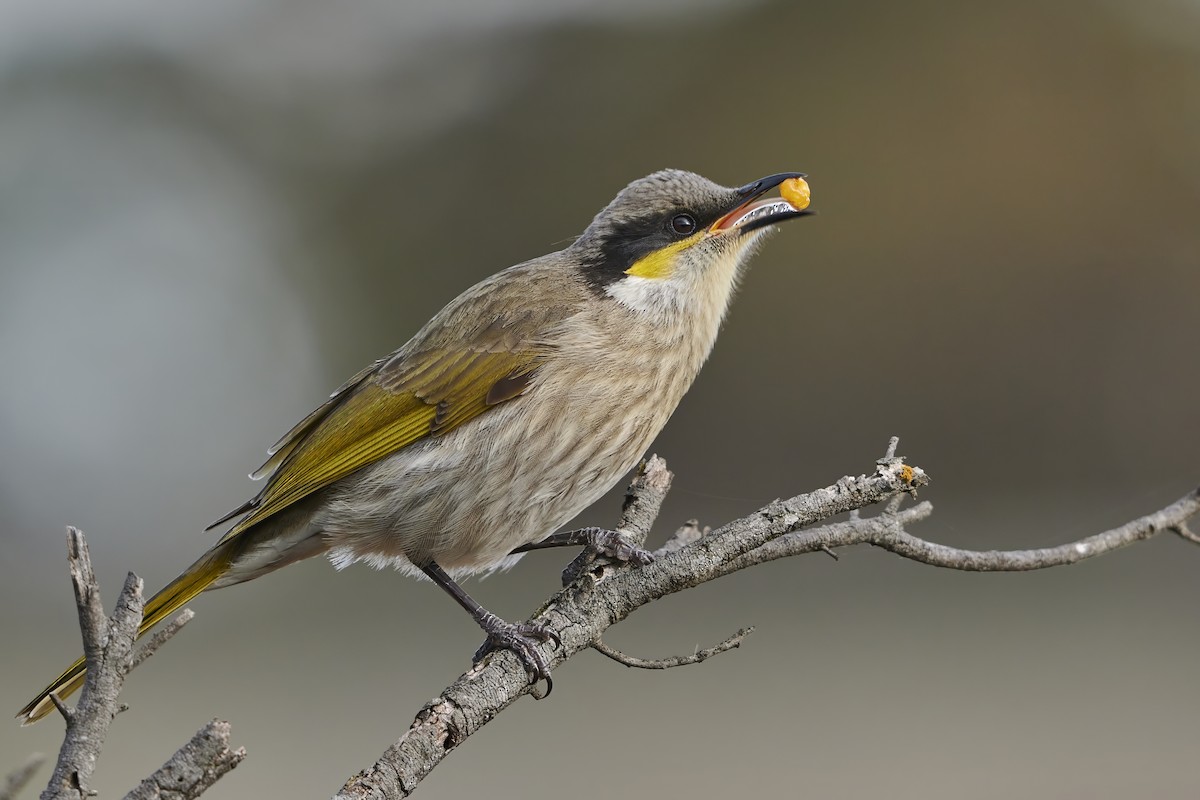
(906, 473)
(796, 192)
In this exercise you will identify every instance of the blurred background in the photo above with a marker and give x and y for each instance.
(212, 214)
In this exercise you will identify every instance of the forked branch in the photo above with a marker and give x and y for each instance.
(108, 644)
(600, 594)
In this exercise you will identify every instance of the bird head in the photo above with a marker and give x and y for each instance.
(676, 242)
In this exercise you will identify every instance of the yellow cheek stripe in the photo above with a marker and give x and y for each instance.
(661, 262)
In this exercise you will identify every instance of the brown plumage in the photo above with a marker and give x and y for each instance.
(515, 407)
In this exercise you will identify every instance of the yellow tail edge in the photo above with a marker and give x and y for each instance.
(170, 599)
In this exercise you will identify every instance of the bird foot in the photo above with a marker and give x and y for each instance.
(602, 542)
(605, 542)
(522, 638)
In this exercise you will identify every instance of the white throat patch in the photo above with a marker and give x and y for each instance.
(692, 287)
(653, 296)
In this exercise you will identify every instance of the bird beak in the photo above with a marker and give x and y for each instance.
(753, 211)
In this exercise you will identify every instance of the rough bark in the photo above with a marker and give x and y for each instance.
(598, 593)
(194, 768)
(108, 646)
(601, 594)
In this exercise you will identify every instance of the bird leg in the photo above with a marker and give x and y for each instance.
(522, 638)
(599, 540)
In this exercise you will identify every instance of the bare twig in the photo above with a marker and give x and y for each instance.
(673, 661)
(893, 443)
(1186, 533)
(64, 710)
(194, 768)
(108, 645)
(857, 530)
(689, 532)
(905, 544)
(887, 532)
(161, 637)
(644, 498)
(16, 780)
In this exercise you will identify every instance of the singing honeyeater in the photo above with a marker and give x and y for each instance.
(518, 405)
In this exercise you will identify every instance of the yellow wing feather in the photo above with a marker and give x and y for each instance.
(394, 404)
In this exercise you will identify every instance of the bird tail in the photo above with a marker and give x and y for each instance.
(193, 581)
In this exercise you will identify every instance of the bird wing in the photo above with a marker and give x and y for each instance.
(429, 387)
(380, 413)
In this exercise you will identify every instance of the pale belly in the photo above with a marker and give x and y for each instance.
(468, 499)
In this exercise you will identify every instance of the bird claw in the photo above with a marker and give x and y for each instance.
(522, 638)
(611, 543)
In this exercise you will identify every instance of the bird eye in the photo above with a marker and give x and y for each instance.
(683, 224)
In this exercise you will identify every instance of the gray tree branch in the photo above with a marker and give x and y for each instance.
(669, 662)
(887, 532)
(601, 594)
(160, 638)
(194, 768)
(108, 646)
(597, 593)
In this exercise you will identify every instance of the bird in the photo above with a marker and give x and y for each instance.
(514, 408)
